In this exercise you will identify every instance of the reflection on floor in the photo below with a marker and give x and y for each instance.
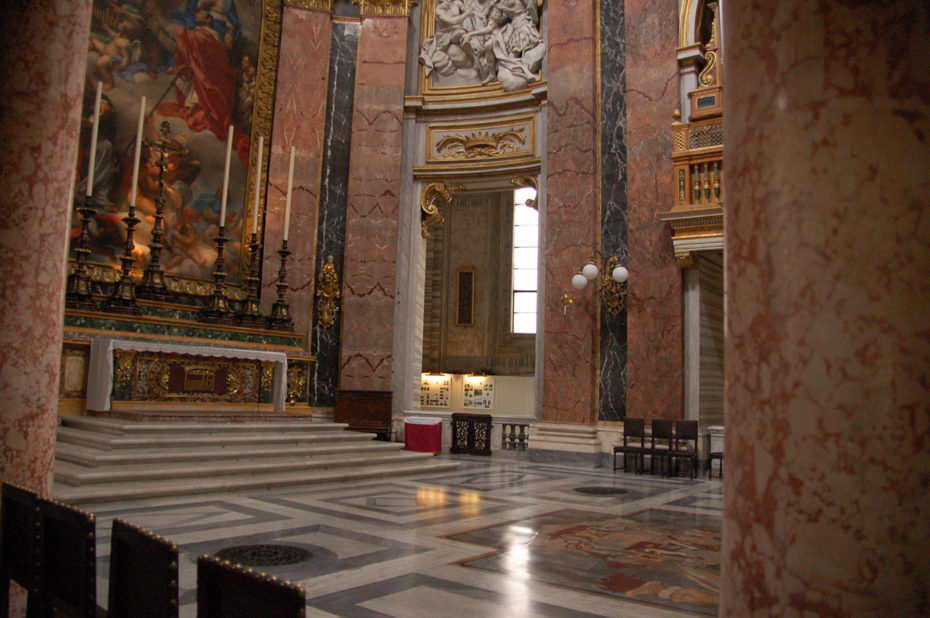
(497, 537)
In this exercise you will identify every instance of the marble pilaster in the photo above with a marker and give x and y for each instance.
(42, 62)
(827, 140)
(373, 205)
(612, 365)
(333, 199)
(299, 117)
(569, 371)
(654, 314)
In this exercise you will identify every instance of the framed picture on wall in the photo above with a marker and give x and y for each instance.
(465, 297)
(195, 64)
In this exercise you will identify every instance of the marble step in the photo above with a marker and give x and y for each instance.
(132, 490)
(73, 474)
(182, 439)
(93, 457)
(117, 426)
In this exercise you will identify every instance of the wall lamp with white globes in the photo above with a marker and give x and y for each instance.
(611, 283)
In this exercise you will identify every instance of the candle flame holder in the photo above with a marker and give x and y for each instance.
(280, 318)
(123, 299)
(217, 310)
(78, 293)
(250, 311)
(153, 284)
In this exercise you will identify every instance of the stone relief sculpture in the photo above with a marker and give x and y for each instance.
(478, 41)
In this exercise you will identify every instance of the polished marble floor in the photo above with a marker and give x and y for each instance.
(497, 537)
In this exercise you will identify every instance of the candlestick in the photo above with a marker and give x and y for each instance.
(290, 187)
(258, 183)
(217, 308)
(137, 159)
(229, 141)
(280, 318)
(92, 158)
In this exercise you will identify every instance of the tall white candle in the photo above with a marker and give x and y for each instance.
(92, 157)
(229, 142)
(290, 186)
(258, 182)
(138, 155)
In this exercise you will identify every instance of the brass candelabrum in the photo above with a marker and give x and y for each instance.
(250, 310)
(280, 318)
(78, 293)
(217, 309)
(123, 299)
(153, 284)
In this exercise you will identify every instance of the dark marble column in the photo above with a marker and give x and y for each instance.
(612, 381)
(331, 231)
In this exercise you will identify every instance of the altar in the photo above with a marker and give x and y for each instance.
(125, 374)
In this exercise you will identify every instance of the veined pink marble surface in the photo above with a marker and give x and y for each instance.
(371, 220)
(654, 305)
(42, 64)
(570, 357)
(299, 120)
(827, 144)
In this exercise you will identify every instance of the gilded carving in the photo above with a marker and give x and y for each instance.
(385, 7)
(267, 375)
(296, 382)
(320, 5)
(125, 361)
(526, 181)
(706, 78)
(613, 294)
(480, 144)
(685, 260)
(432, 193)
(327, 293)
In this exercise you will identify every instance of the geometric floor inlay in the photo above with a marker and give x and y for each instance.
(264, 555)
(653, 556)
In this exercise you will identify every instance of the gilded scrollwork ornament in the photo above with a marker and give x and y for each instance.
(328, 292)
(432, 193)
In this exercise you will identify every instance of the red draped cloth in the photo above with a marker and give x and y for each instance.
(214, 81)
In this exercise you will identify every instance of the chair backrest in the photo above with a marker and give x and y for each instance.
(634, 428)
(686, 431)
(20, 538)
(143, 574)
(225, 590)
(662, 431)
(68, 574)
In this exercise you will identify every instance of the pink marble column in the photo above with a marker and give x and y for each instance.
(827, 133)
(365, 361)
(299, 121)
(43, 60)
(654, 306)
(570, 357)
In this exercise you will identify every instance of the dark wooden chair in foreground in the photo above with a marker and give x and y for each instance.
(634, 443)
(68, 557)
(143, 574)
(686, 438)
(225, 590)
(20, 538)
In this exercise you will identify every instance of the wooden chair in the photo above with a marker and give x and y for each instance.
(686, 437)
(225, 590)
(143, 574)
(661, 444)
(20, 539)
(68, 558)
(634, 442)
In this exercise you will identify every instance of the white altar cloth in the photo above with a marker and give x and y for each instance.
(100, 366)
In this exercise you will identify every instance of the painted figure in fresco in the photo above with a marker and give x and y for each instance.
(205, 86)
